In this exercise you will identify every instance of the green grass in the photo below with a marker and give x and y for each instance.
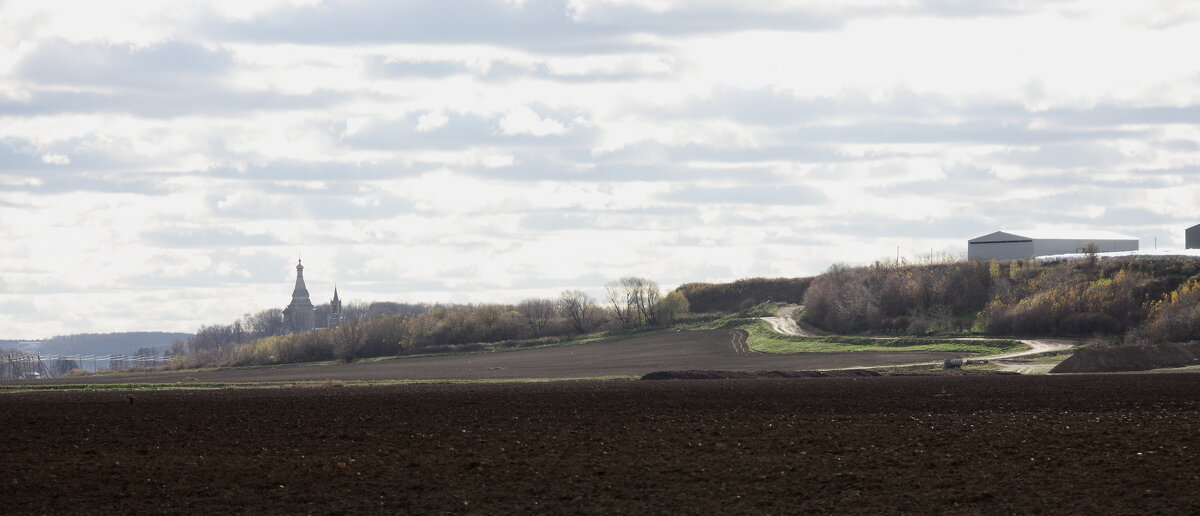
(764, 340)
(151, 386)
(766, 309)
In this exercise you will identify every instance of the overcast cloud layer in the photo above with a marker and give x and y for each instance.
(162, 163)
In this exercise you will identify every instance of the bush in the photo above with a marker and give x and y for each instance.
(1175, 317)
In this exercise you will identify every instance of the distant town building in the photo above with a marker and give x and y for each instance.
(1192, 235)
(1019, 244)
(300, 315)
(335, 310)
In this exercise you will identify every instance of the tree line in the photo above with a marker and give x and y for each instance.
(385, 329)
(744, 293)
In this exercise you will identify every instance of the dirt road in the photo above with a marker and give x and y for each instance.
(784, 322)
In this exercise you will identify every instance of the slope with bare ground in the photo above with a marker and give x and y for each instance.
(636, 356)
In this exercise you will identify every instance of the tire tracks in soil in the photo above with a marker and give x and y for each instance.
(738, 342)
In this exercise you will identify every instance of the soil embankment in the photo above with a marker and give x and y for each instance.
(836, 373)
(746, 375)
(1130, 358)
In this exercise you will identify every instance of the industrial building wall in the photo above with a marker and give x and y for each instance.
(999, 250)
(1192, 236)
(1049, 247)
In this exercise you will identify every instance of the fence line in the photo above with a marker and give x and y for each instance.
(24, 366)
(36, 357)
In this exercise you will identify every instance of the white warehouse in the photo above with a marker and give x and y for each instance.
(1019, 244)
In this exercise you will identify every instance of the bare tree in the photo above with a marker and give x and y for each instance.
(579, 308)
(538, 312)
(347, 339)
(360, 311)
(633, 299)
(642, 294)
(266, 323)
(1090, 252)
(617, 301)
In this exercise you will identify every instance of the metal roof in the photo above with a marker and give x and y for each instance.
(1061, 234)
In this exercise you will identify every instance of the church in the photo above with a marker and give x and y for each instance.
(300, 315)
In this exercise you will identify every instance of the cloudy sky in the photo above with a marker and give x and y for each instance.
(163, 163)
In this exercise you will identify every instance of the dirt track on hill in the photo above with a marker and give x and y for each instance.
(784, 322)
(713, 349)
(1116, 444)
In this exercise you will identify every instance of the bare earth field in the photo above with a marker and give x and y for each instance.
(713, 349)
(976, 444)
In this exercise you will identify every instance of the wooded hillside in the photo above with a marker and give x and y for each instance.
(1141, 299)
(743, 293)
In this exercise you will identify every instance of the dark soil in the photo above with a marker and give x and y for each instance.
(1130, 358)
(1123, 444)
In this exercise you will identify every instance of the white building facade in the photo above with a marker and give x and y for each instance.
(1019, 244)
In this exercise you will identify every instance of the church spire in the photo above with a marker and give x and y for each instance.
(301, 291)
(300, 314)
(335, 309)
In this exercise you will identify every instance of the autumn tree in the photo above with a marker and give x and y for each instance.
(670, 307)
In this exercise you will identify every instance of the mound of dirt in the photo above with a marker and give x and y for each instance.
(1130, 358)
(743, 375)
(840, 373)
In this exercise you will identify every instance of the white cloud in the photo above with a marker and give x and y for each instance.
(430, 122)
(523, 120)
(474, 163)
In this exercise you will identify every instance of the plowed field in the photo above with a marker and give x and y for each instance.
(990, 444)
(715, 349)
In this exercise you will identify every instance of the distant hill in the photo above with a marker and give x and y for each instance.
(110, 343)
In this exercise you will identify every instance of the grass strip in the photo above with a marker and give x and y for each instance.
(765, 340)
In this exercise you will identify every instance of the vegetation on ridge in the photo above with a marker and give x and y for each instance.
(1132, 299)
(631, 304)
(763, 339)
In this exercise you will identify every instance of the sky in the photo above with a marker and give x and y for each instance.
(163, 164)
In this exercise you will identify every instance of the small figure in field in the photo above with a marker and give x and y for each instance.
(130, 396)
